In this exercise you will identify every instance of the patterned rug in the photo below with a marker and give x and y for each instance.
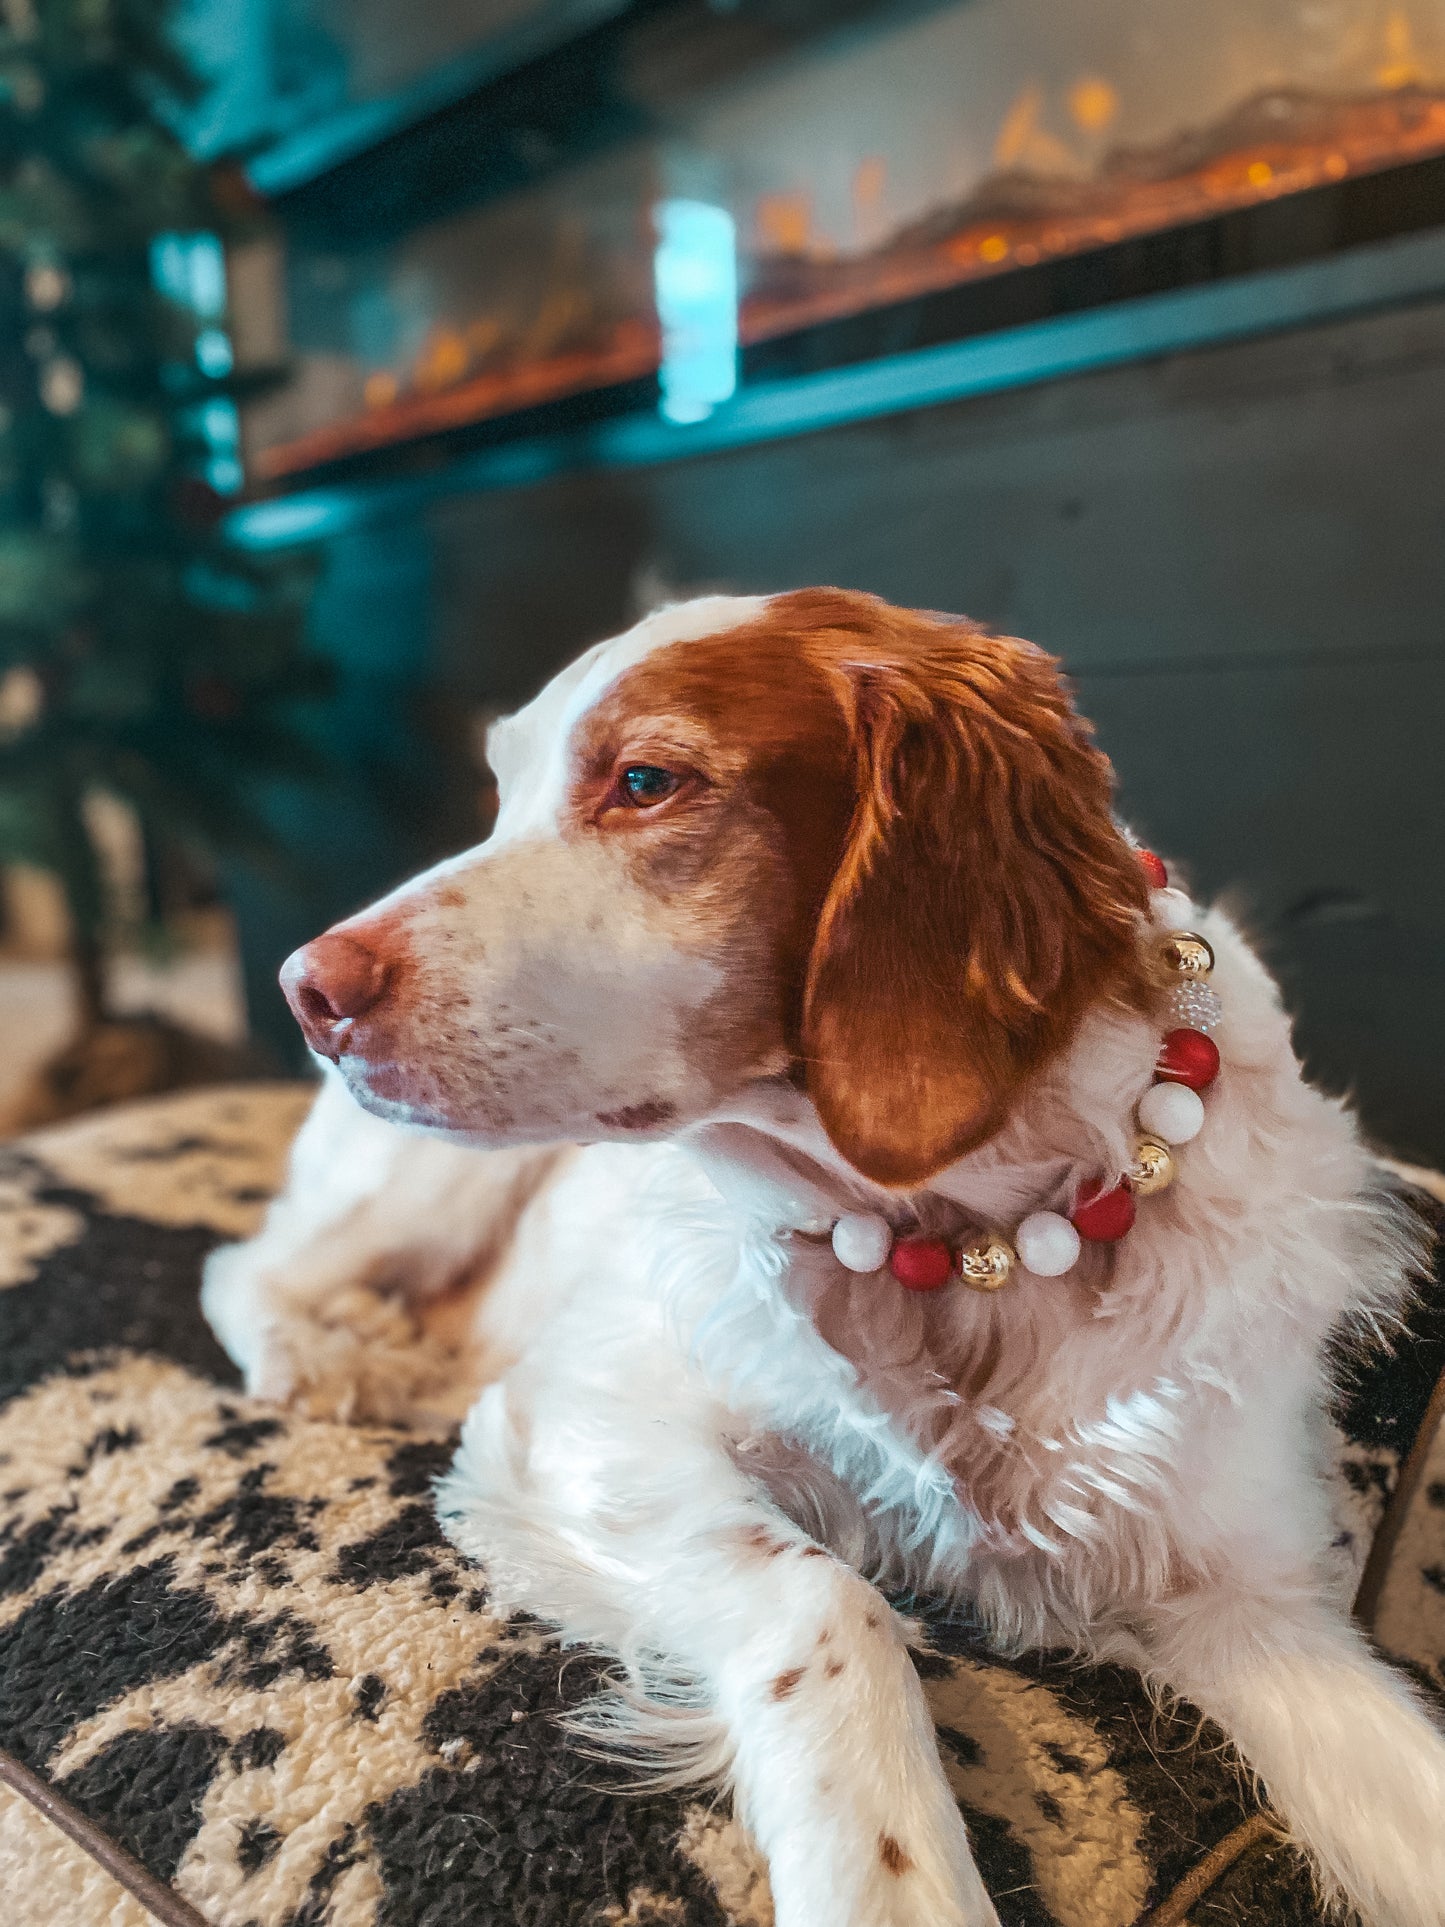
(238, 1660)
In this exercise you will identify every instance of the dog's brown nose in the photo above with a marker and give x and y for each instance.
(329, 982)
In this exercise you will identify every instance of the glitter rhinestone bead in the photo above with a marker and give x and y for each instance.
(1152, 1169)
(862, 1241)
(986, 1264)
(1047, 1244)
(1195, 1006)
(1154, 869)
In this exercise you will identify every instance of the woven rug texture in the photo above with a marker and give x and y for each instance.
(236, 1642)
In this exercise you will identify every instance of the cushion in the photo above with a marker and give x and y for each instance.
(241, 1666)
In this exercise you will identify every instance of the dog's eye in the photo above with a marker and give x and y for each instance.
(644, 785)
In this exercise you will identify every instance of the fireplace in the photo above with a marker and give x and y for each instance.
(821, 195)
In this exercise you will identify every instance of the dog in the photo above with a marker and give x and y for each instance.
(744, 1136)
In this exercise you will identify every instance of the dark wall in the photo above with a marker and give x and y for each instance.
(1239, 555)
(387, 803)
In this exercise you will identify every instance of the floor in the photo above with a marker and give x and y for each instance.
(201, 989)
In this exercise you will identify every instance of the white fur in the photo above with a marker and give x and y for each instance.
(690, 1398)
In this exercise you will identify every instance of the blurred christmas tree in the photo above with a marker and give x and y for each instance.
(141, 658)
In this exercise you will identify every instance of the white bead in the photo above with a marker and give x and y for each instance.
(1172, 1112)
(862, 1241)
(1047, 1244)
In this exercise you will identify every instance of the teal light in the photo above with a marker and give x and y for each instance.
(695, 274)
(214, 354)
(191, 269)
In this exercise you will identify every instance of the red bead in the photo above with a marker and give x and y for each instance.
(921, 1264)
(1102, 1216)
(1153, 869)
(1188, 1057)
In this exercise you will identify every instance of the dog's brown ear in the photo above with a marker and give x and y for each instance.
(984, 898)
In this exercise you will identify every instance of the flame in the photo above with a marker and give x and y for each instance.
(869, 179)
(567, 342)
(1093, 103)
(1023, 141)
(443, 360)
(1401, 68)
(784, 222)
(1020, 124)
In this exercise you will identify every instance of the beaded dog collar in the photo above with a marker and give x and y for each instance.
(1170, 1113)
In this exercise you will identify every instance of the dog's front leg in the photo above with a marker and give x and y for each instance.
(358, 1296)
(1346, 1754)
(627, 1523)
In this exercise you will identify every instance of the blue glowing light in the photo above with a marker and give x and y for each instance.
(225, 474)
(170, 266)
(214, 355)
(217, 426)
(219, 423)
(695, 274)
(281, 523)
(191, 269)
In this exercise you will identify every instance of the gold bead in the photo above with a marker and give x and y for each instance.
(1152, 1169)
(986, 1264)
(1186, 954)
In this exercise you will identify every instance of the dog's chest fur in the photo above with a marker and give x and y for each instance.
(1045, 1444)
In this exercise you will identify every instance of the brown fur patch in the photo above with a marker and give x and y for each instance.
(759, 1539)
(892, 1855)
(786, 1684)
(650, 1115)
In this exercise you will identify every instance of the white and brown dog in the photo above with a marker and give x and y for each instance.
(800, 908)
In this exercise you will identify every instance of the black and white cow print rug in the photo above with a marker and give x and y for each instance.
(240, 1665)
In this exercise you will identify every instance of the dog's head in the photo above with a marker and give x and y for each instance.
(807, 835)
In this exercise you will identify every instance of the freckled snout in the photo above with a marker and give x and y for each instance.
(329, 983)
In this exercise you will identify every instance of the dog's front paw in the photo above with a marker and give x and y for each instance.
(234, 1300)
(358, 1355)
